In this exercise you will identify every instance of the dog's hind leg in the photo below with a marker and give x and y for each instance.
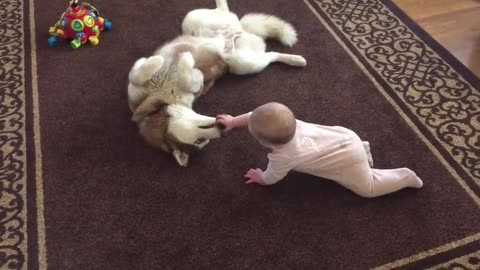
(247, 62)
(248, 56)
(222, 5)
(290, 59)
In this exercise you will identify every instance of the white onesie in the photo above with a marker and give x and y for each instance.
(338, 154)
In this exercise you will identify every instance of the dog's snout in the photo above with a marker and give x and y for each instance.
(214, 125)
(200, 141)
(220, 126)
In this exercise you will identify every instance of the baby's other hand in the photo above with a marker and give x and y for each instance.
(254, 176)
(226, 120)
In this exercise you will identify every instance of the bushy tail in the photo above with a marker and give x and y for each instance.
(269, 26)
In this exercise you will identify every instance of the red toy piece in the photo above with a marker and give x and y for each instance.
(78, 24)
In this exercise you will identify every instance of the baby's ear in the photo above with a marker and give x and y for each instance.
(181, 157)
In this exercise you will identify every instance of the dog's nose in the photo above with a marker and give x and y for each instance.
(200, 140)
(220, 126)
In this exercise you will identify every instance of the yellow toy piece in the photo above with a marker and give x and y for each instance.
(94, 40)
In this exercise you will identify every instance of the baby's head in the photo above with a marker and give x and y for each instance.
(272, 124)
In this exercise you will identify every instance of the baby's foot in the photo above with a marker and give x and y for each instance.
(366, 145)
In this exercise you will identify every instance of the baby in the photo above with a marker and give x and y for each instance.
(334, 153)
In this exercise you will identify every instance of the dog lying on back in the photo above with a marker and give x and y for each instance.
(163, 87)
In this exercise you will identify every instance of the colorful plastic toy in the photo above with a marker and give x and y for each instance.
(78, 24)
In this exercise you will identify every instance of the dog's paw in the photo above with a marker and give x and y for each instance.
(186, 60)
(153, 63)
(139, 63)
(297, 60)
(144, 69)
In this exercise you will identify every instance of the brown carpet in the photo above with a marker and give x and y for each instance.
(80, 189)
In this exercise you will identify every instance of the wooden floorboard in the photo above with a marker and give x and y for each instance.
(453, 23)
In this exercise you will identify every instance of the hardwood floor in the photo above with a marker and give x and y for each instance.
(454, 23)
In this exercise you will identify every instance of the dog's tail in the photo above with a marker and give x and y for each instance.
(222, 5)
(269, 26)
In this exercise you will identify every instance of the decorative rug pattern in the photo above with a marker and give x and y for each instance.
(116, 205)
(13, 185)
(429, 89)
(441, 99)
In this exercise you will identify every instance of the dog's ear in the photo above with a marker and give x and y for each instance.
(148, 106)
(181, 157)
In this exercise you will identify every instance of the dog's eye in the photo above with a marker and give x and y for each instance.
(200, 140)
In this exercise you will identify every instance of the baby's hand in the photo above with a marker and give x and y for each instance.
(226, 120)
(254, 176)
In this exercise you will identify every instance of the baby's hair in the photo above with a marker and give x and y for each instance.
(273, 123)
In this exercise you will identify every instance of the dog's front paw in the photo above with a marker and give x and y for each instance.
(144, 69)
(155, 61)
(186, 60)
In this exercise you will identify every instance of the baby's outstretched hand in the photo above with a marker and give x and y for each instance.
(254, 176)
(226, 120)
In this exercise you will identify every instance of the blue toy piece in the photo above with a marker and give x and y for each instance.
(53, 40)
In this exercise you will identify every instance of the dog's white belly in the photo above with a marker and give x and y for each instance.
(216, 44)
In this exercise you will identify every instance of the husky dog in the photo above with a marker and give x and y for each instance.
(163, 87)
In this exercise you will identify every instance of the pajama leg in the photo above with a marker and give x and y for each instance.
(366, 145)
(377, 182)
(354, 173)
(368, 182)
